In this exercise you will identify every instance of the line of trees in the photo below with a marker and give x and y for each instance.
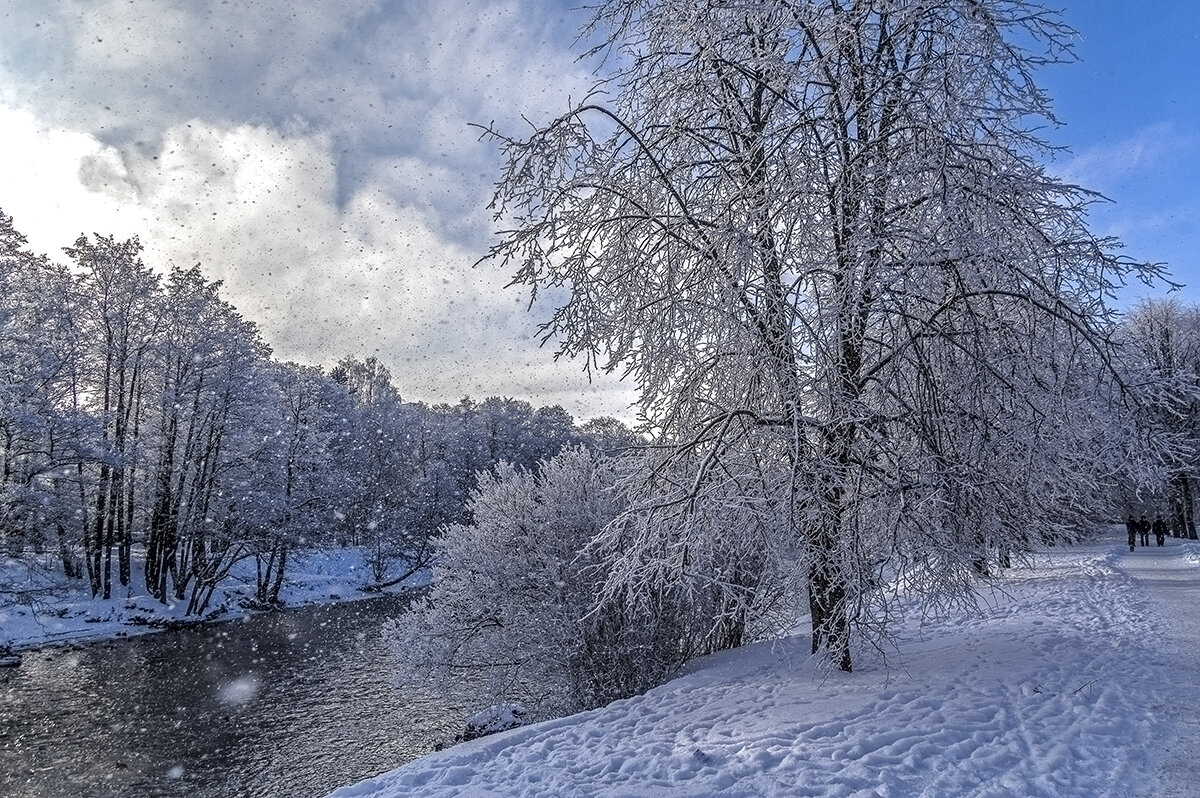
(142, 415)
(1160, 357)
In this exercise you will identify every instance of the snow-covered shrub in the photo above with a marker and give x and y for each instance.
(513, 610)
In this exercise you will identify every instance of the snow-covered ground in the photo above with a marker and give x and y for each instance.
(1080, 680)
(39, 606)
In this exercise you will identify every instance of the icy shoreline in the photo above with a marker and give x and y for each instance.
(40, 607)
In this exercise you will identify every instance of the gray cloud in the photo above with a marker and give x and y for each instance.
(382, 80)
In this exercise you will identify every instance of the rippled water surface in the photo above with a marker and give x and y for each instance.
(291, 704)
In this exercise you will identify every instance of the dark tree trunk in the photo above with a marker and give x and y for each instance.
(94, 539)
(277, 583)
(827, 603)
(1183, 521)
(71, 566)
(1189, 518)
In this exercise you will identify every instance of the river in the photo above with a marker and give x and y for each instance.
(292, 704)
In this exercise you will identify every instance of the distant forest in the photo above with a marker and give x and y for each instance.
(143, 412)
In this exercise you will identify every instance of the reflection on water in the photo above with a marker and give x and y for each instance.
(291, 704)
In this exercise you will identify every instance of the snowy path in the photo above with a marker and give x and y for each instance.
(1079, 681)
(1172, 579)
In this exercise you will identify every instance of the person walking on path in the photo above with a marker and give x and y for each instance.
(1160, 529)
(1144, 530)
(1131, 526)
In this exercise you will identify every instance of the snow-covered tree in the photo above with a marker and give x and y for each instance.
(376, 508)
(45, 437)
(137, 408)
(368, 382)
(1161, 359)
(299, 493)
(821, 239)
(510, 613)
(120, 314)
(610, 435)
(209, 387)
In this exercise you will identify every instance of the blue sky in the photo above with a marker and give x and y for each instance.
(1131, 114)
(317, 158)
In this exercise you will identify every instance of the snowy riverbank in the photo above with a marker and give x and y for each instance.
(39, 606)
(1080, 681)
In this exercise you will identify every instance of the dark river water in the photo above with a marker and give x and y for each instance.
(291, 704)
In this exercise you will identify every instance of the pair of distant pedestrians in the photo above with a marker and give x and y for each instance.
(1139, 530)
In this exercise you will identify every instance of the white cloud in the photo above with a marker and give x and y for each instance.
(1105, 166)
(43, 190)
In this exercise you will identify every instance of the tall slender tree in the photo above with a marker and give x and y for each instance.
(208, 385)
(300, 492)
(44, 438)
(121, 315)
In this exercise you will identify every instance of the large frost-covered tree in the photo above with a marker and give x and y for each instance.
(821, 238)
